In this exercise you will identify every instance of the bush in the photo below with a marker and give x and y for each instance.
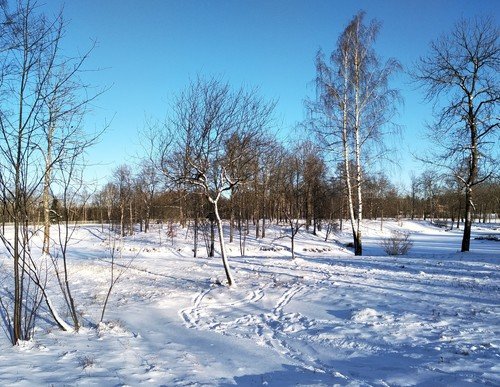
(399, 243)
(86, 362)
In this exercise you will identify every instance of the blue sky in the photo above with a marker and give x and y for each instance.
(148, 50)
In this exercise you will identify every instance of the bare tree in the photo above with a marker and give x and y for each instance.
(117, 266)
(414, 189)
(38, 88)
(354, 103)
(147, 184)
(314, 171)
(108, 198)
(293, 194)
(460, 75)
(60, 119)
(429, 184)
(208, 118)
(149, 179)
(72, 200)
(28, 59)
(124, 185)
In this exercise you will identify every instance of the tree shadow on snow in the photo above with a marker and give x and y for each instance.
(288, 376)
(5, 322)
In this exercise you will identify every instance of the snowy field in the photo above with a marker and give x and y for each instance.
(430, 318)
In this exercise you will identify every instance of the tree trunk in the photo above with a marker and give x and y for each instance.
(72, 307)
(350, 201)
(147, 218)
(122, 220)
(307, 210)
(242, 235)
(18, 281)
(358, 248)
(223, 254)
(46, 209)
(341, 213)
(16, 323)
(131, 219)
(468, 220)
(195, 242)
(46, 187)
(211, 253)
(231, 224)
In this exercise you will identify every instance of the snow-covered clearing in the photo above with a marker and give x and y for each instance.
(429, 318)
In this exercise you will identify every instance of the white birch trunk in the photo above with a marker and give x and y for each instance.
(62, 324)
(357, 147)
(223, 253)
(346, 150)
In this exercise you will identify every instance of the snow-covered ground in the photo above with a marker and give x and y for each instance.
(430, 318)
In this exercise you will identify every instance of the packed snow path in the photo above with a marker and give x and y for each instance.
(325, 318)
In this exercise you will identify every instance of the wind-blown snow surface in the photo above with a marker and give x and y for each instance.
(430, 318)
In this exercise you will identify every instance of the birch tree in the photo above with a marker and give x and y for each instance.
(460, 75)
(355, 104)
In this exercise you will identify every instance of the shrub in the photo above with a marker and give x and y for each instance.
(399, 243)
(86, 362)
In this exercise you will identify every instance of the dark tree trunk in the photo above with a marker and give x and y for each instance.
(195, 247)
(358, 247)
(468, 220)
(212, 238)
